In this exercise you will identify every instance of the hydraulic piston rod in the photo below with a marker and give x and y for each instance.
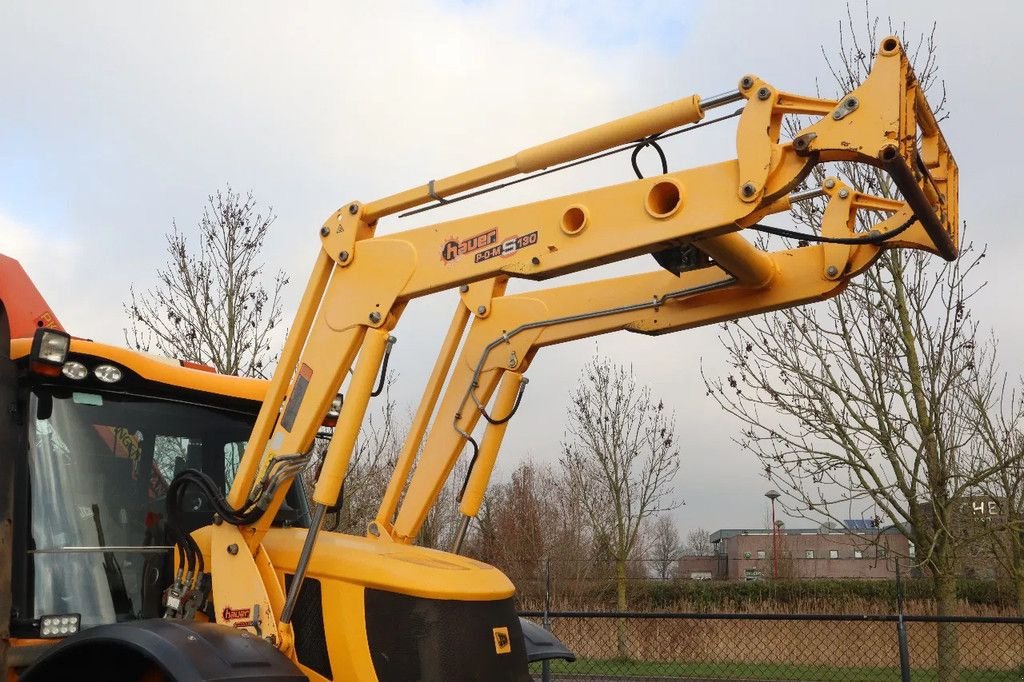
(605, 136)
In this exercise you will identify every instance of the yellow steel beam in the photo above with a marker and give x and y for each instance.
(652, 303)
(374, 277)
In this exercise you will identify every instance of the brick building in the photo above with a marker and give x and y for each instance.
(976, 522)
(746, 554)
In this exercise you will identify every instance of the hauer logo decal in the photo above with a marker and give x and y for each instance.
(235, 614)
(453, 248)
(507, 247)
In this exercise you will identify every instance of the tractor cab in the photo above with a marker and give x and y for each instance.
(101, 432)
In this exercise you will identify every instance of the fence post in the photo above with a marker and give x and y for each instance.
(546, 664)
(901, 628)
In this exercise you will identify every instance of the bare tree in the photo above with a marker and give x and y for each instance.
(441, 524)
(620, 453)
(863, 400)
(531, 526)
(698, 542)
(212, 304)
(519, 525)
(1000, 406)
(526, 524)
(664, 548)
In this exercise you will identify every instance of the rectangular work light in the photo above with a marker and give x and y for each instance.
(59, 625)
(49, 350)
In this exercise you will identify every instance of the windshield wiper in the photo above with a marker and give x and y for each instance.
(115, 578)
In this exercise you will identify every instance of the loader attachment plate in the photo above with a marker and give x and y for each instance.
(902, 138)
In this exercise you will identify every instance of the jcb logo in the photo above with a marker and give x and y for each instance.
(502, 644)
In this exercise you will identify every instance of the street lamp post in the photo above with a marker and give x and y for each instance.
(774, 495)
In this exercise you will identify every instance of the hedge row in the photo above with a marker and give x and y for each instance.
(740, 596)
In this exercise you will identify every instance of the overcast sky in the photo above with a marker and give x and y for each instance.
(118, 117)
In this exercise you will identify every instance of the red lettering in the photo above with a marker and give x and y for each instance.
(235, 614)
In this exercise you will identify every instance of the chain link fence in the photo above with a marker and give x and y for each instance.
(593, 585)
(731, 646)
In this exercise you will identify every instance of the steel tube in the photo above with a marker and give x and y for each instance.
(460, 535)
(250, 465)
(806, 195)
(300, 568)
(738, 257)
(343, 441)
(480, 476)
(599, 138)
(612, 134)
(720, 100)
(418, 427)
(897, 168)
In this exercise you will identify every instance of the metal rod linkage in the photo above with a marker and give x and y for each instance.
(806, 195)
(460, 535)
(720, 100)
(137, 549)
(300, 568)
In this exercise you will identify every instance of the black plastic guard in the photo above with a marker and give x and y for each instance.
(414, 639)
(184, 652)
(541, 645)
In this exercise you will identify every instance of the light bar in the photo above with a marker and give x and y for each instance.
(61, 625)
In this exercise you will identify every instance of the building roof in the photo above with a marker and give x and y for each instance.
(726, 533)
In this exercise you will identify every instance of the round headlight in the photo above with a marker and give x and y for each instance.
(74, 370)
(107, 373)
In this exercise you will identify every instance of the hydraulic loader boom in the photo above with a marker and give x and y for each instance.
(691, 220)
(499, 348)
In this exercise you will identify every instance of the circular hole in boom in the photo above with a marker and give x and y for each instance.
(664, 198)
(574, 220)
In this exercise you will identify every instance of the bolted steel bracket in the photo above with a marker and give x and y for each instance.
(847, 106)
(342, 230)
(478, 296)
(752, 140)
(838, 221)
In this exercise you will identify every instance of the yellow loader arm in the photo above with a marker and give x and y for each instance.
(360, 283)
(499, 348)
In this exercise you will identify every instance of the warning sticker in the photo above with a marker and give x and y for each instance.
(291, 410)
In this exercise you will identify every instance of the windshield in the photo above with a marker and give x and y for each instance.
(99, 466)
